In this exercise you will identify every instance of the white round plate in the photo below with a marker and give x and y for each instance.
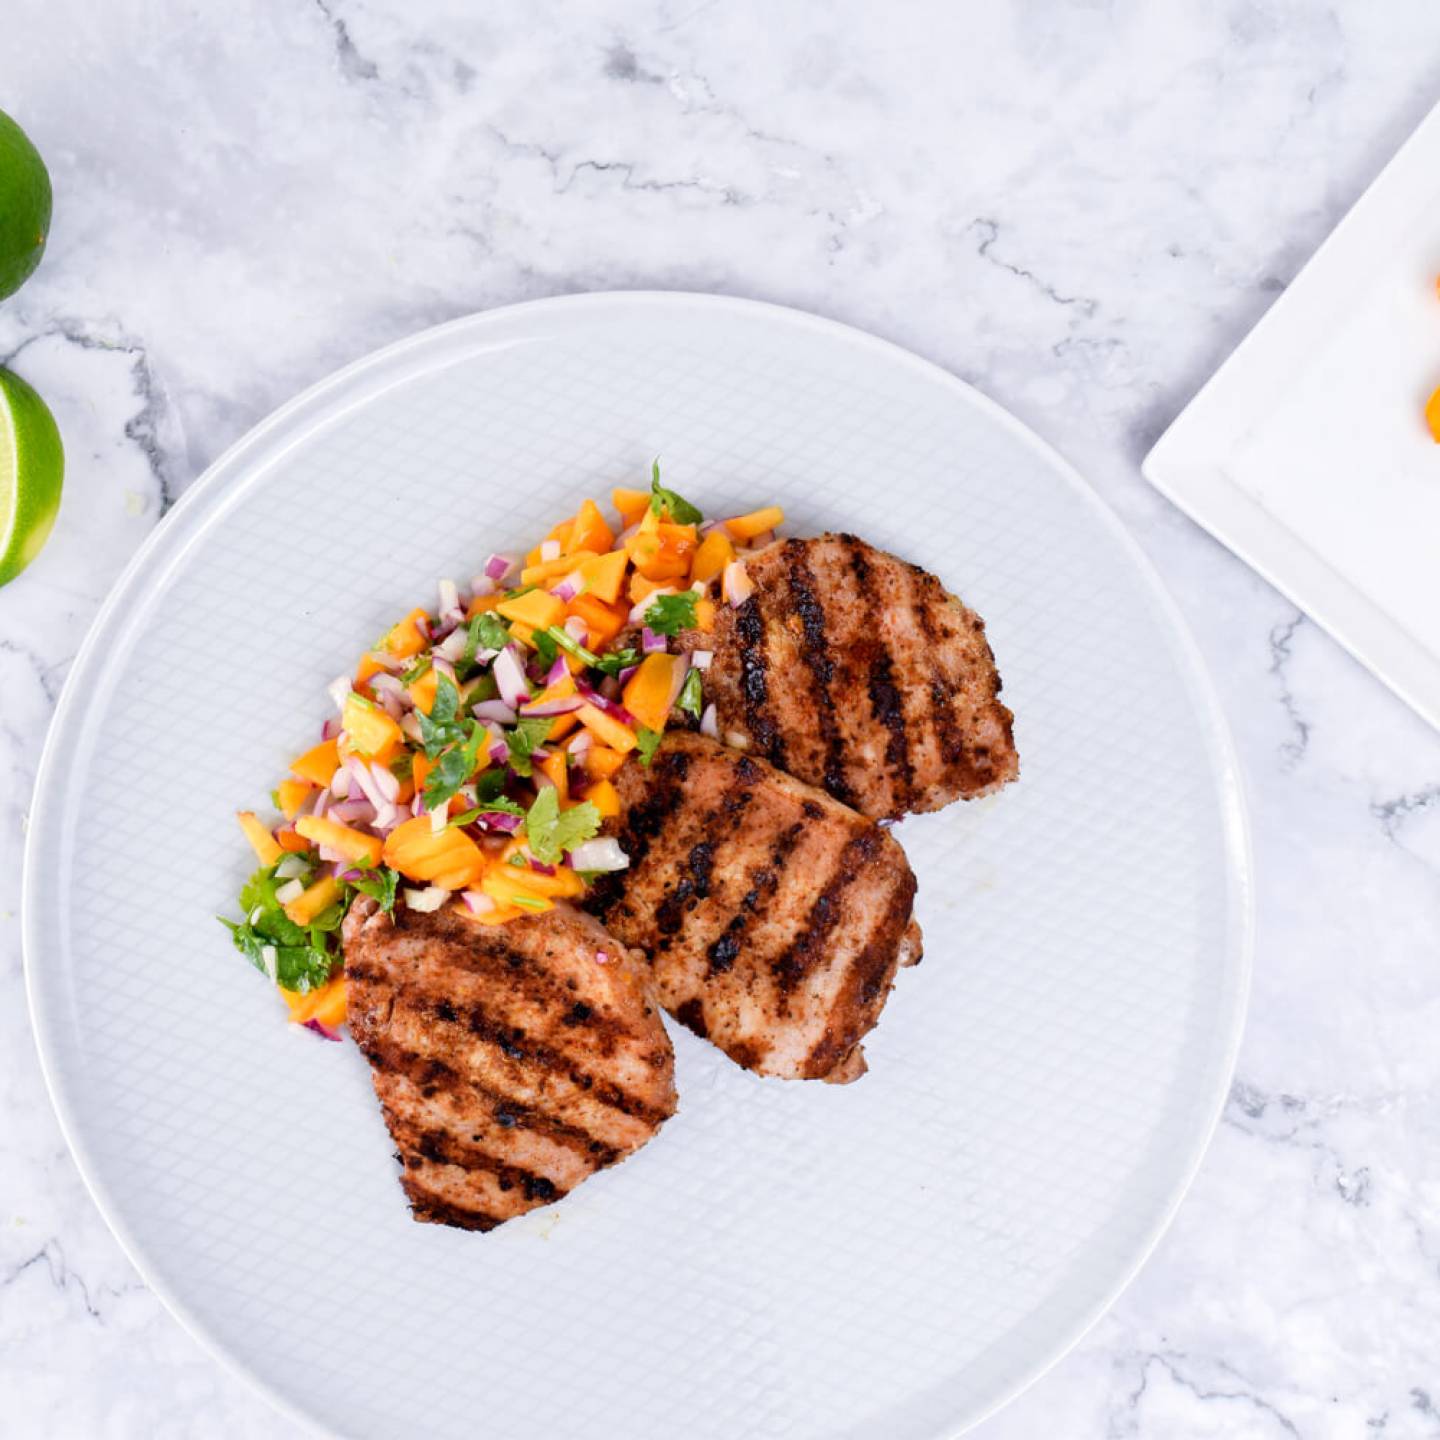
(889, 1259)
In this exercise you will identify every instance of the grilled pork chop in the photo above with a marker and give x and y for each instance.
(774, 917)
(858, 672)
(511, 1061)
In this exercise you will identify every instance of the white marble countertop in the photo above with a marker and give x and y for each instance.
(1078, 207)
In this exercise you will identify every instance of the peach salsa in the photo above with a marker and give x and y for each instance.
(471, 756)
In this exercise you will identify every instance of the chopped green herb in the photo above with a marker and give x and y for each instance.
(527, 736)
(545, 646)
(670, 614)
(518, 861)
(550, 831)
(379, 885)
(529, 902)
(692, 697)
(661, 500)
(440, 728)
(647, 742)
(570, 645)
(421, 665)
(617, 660)
(454, 768)
(299, 958)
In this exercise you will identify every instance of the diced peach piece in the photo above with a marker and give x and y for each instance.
(631, 504)
(650, 691)
(542, 572)
(602, 622)
(606, 729)
(536, 608)
(589, 532)
(1432, 416)
(555, 769)
(289, 840)
(371, 731)
(267, 849)
(601, 762)
(422, 692)
(326, 1004)
(351, 843)
(757, 522)
(604, 575)
(318, 764)
(705, 615)
(605, 798)
(303, 909)
(715, 552)
(420, 853)
(291, 794)
(481, 603)
(404, 639)
(367, 669)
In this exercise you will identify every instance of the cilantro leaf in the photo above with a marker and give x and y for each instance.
(441, 728)
(647, 742)
(617, 660)
(421, 665)
(550, 831)
(491, 786)
(670, 614)
(487, 632)
(545, 647)
(379, 885)
(682, 512)
(454, 768)
(297, 957)
(527, 736)
(692, 697)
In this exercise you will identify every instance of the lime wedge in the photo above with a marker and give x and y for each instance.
(32, 467)
(24, 206)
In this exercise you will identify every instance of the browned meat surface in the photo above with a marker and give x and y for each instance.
(511, 1061)
(859, 673)
(773, 916)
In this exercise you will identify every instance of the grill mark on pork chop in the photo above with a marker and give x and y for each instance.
(644, 824)
(942, 695)
(427, 1074)
(764, 883)
(887, 704)
(821, 664)
(790, 965)
(431, 1208)
(441, 1148)
(754, 684)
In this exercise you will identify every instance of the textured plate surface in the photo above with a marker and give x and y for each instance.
(892, 1259)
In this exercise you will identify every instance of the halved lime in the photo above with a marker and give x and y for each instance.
(32, 468)
(24, 206)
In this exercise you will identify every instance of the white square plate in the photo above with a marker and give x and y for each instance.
(1308, 453)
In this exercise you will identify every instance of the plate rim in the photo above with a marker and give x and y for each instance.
(326, 400)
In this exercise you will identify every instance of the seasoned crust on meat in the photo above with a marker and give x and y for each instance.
(857, 672)
(774, 917)
(511, 1061)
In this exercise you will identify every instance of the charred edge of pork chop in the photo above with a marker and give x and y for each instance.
(858, 672)
(509, 1063)
(774, 917)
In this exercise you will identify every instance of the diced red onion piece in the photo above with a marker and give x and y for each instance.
(498, 567)
(625, 534)
(340, 784)
(496, 710)
(331, 728)
(339, 690)
(410, 728)
(290, 867)
(709, 723)
(449, 596)
(651, 643)
(599, 701)
(624, 676)
(360, 774)
(543, 709)
(500, 820)
(479, 902)
(510, 677)
(392, 705)
(321, 1029)
(557, 672)
(452, 647)
(641, 608)
(737, 584)
(540, 868)
(577, 630)
(499, 752)
(701, 659)
(329, 855)
(481, 585)
(549, 550)
(580, 742)
(322, 800)
(432, 897)
(385, 781)
(602, 854)
(353, 812)
(290, 890)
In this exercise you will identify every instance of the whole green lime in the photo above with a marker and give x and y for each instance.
(24, 206)
(32, 468)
